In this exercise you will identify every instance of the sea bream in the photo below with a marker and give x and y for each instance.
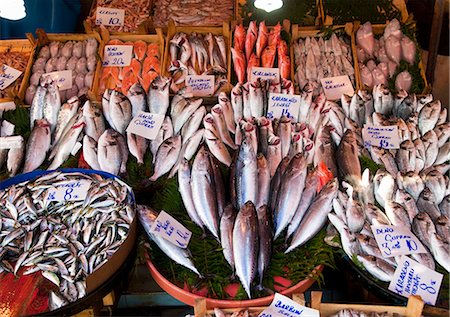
(38, 145)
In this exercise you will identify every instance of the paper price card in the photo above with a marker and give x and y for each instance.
(265, 73)
(201, 85)
(117, 55)
(109, 16)
(62, 78)
(385, 137)
(335, 87)
(170, 229)
(6, 106)
(283, 306)
(70, 191)
(11, 142)
(283, 105)
(146, 124)
(7, 128)
(413, 278)
(8, 75)
(396, 240)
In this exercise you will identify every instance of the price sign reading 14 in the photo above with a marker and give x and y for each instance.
(69, 191)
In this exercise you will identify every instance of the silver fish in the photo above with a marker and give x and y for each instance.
(137, 146)
(435, 181)
(15, 157)
(90, 152)
(431, 145)
(138, 99)
(355, 215)
(347, 158)
(52, 104)
(427, 203)
(67, 111)
(442, 225)
(443, 155)
(384, 187)
(193, 123)
(226, 234)
(412, 183)
(325, 150)
(397, 215)
(406, 157)
(164, 133)
(95, 123)
(184, 187)
(119, 111)
(158, 95)
(423, 227)
(265, 234)
(429, 116)
(109, 152)
(221, 124)
(246, 174)
(166, 156)
(375, 216)
(237, 102)
(228, 112)
(440, 250)
(256, 99)
(37, 146)
(185, 114)
(263, 194)
(444, 206)
(284, 132)
(219, 186)
(274, 153)
(37, 105)
(408, 202)
(377, 267)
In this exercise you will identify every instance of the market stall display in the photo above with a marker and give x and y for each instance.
(197, 12)
(136, 15)
(66, 226)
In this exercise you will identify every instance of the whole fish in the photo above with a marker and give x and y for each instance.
(347, 158)
(240, 65)
(222, 128)
(406, 156)
(423, 227)
(263, 38)
(289, 195)
(428, 116)
(218, 183)
(245, 245)
(408, 202)
(37, 105)
(239, 37)
(166, 156)
(180, 119)
(93, 118)
(263, 194)
(274, 153)
(217, 147)
(384, 187)
(412, 183)
(184, 187)
(119, 111)
(325, 150)
(90, 152)
(431, 145)
(52, 104)
(443, 155)
(354, 214)
(427, 203)
(375, 216)
(377, 267)
(265, 234)
(246, 174)
(147, 217)
(250, 39)
(256, 99)
(137, 146)
(193, 124)
(37, 146)
(284, 131)
(435, 181)
(442, 225)
(67, 111)
(158, 95)
(138, 99)
(226, 234)
(188, 150)
(164, 133)
(316, 215)
(15, 157)
(109, 152)
(237, 102)
(227, 110)
(441, 250)
(444, 206)
(397, 215)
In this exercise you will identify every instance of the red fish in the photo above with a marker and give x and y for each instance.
(268, 56)
(275, 35)
(252, 62)
(239, 63)
(239, 38)
(263, 38)
(284, 64)
(282, 48)
(250, 39)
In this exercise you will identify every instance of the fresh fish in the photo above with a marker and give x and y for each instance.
(250, 39)
(265, 234)
(347, 158)
(384, 187)
(217, 147)
(443, 155)
(444, 206)
(193, 124)
(263, 186)
(90, 152)
(408, 202)
(67, 112)
(56, 301)
(379, 268)
(431, 145)
(147, 217)
(221, 124)
(406, 157)
(184, 187)
(203, 191)
(263, 38)
(325, 150)
(284, 132)
(227, 110)
(375, 216)
(397, 215)
(137, 146)
(52, 104)
(138, 99)
(429, 116)
(37, 146)
(412, 183)
(237, 102)
(435, 181)
(274, 153)
(218, 183)
(245, 245)
(166, 156)
(246, 174)
(119, 111)
(354, 214)
(423, 227)
(180, 119)
(256, 99)
(226, 234)
(276, 181)
(158, 95)
(93, 118)
(164, 133)
(240, 66)
(109, 152)
(15, 157)
(427, 203)
(442, 225)
(316, 215)
(441, 250)
(386, 158)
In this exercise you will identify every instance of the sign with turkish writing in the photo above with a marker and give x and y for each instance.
(8, 105)
(62, 78)
(146, 124)
(381, 136)
(283, 306)
(117, 55)
(11, 142)
(170, 229)
(413, 278)
(8, 75)
(109, 16)
(396, 240)
(335, 87)
(283, 105)
(265, 73)
(201, 85)
(70, 191)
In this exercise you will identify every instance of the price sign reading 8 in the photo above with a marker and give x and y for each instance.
(71, 191)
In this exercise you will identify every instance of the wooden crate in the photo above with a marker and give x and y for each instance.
(157, 38)
(22, 45)
(143, 28)
(44, 38)
(378, 29)
(303, 32)
(172, 29)
(413, 308)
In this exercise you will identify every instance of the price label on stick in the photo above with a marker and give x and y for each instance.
(265, 73)
(109, 16)
(62, 78)
(70, 191)
(170, 229)
(413, 278)
(283, 105)
(201, 85)
(117, 55)
(8, 75)
(146, 124)
(283, 306)
(385, 137)
(396, 240)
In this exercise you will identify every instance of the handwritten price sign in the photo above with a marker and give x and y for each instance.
(413, 278)
(109, 16)
(201, 85)
(8, 75)
(171, 230)
(117, 55)
(385, 137)
(396, 240)
(62, 78)
(283, 105)
(146, 124)
(265, 73)
(70, 191)
(335, 87)
(283, 306)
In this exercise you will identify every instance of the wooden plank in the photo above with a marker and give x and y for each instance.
(200, 307)
(85, 313)
(109, 299)
(435, 35)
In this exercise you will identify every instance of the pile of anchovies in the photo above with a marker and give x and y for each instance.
(65, 240)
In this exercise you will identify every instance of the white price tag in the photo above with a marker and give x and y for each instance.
(396, 240)
(283, 306)
(283, 105)
(62, 78)
(6, 128)
(382, 136)
(8, 75)
(7, 106)
(146, 124)
(413, 278)
(335, 87)
(71, 191)
(11, 142)
(109, 16)
(201, 85)
(265, 73)
(170, 229)
(117, 55)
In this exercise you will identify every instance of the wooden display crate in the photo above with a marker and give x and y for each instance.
(301, 32)
(44, 38)
(215, 30)
(22, 45)
(378, 29)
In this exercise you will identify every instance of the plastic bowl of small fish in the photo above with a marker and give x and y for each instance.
(65, 233)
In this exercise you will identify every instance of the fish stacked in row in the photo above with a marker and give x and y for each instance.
(316, 58)
(80, 57)
(379, 58)
(241, 313)
(197, 54)
(356, 313)
(144, 67)
(65, 241)
(11, 156)
(18, 61)
(259, 48)
(137, 12)
(192, 12)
